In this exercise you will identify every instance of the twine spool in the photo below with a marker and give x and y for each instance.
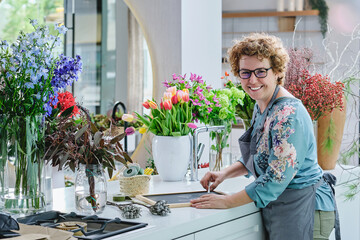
(136, 185)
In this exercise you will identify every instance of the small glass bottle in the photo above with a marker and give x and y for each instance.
(90, 189)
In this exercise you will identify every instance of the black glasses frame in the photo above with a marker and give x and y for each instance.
(254, 71)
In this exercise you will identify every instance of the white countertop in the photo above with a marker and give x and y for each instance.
(181, 221)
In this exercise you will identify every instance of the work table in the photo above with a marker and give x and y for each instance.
(190, 223)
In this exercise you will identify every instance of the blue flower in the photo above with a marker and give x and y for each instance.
(29, 85)
(33, 22)
(61, 29)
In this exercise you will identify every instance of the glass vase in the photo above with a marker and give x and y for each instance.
(21, 167)
(90, 189)
(220, 152)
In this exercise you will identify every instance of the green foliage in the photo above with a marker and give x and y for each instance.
(171, 122)
(330, 135)
(353, 189)
(349, 153)
(77, 141)
(245, 110)
(323, 14)
(348, 82)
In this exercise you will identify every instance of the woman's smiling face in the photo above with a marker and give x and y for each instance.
(259, 89)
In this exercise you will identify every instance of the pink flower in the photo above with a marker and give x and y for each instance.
(167, 95)
(167, 104)
(175, 77)
(171, 90)
(210, 110)
(130, 131)
(192, 125)
(166, 84)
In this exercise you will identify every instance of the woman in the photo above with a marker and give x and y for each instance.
(279, 150)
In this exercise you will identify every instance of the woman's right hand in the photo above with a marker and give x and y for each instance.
(215, 177)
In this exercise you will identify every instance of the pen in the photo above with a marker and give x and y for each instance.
(209, 187)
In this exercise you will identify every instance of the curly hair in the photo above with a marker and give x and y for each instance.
(263, 46)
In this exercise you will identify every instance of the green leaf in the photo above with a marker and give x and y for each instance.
(118, 138)
(110, 172)
(120, 159)
(127, 157)
(143, 120)
(97, 138)
(330, 136)
(81, 132)
(67, 113)
(94, 129)
(176, 134)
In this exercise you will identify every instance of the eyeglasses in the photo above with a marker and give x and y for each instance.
(259, 73)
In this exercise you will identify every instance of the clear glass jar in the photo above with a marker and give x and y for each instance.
(21, 166)
(220, 155)
(90, 189)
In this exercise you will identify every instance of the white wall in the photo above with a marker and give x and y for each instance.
(201, 39)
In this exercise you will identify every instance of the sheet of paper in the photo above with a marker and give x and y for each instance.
(32, 232)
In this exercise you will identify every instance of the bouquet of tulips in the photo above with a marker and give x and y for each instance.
(172, 117)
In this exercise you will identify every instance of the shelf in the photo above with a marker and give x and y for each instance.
(273, 32)
(270, 14)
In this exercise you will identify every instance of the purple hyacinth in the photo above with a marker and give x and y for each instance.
(66, 71)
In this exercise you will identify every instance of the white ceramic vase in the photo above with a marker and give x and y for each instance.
(171, 156)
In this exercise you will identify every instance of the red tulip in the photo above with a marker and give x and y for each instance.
(146, 105)
(153, 104)
(174, 99)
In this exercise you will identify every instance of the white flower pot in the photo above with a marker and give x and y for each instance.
(171, 156)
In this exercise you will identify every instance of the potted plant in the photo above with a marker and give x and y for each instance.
(31, 76)
(78, 143)
(171, 122)
(323, 8)
(321, 98)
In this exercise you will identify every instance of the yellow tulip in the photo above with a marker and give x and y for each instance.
(142, 130)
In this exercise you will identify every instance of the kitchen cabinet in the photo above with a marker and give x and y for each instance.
(245, 228)
(187, 237)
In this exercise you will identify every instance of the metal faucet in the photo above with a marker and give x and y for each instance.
(197, 149)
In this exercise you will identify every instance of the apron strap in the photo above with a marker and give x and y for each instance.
(331, 181)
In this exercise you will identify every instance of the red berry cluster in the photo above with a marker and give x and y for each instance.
(66, 100)
(318, 94)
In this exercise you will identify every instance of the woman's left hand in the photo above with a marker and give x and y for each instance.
(210, 201)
